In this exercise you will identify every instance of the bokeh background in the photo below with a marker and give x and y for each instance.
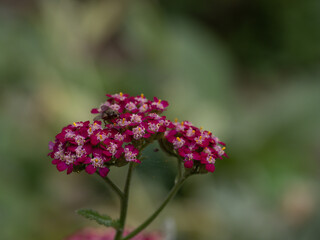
(246, 70)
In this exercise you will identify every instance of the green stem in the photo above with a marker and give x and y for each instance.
(124, 204)
(114, 187)
(179, 171)
(173, 191)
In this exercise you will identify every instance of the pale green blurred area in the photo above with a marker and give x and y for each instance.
(249, 72)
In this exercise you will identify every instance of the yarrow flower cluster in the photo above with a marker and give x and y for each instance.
(195, 146)
(123, 127)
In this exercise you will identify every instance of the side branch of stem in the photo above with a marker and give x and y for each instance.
(114, 187)
(171, 194)
(124, 204)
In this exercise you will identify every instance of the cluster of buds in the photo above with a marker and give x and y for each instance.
(124, 125)
(102, 234)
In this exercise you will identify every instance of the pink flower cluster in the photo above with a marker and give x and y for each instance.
(195, 146)
(102, 234)
(125, 103)
(128, 124)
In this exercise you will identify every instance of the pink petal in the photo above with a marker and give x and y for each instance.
(55, 161)
(90, 169)
(71, 148)
(188, 164)
(181, 152)
(70, 169)
(97, 152)
(104, 172)
(94, 111)
(94, 141)
(162, 129)
(118, 153)
(107, 153)
(106, 141)
(210, 167)
(88, 148)
(128, 132)
(164, 103)
(61, 166)
(86, 160)
(196, 156)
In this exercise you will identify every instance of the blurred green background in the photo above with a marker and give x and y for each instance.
(246, 70)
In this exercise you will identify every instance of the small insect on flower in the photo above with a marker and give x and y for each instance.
(107, 114)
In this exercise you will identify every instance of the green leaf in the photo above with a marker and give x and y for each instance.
(101, 219)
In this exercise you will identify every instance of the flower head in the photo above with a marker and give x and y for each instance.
(130, 153)
(132, 123)
(196, 146)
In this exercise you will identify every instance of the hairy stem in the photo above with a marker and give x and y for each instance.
(179, 171)
(173, 191)
(124, 204)
(114, 187)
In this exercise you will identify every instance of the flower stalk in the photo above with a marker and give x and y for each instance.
(171, 194)
(124, 204)
(114, 187)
